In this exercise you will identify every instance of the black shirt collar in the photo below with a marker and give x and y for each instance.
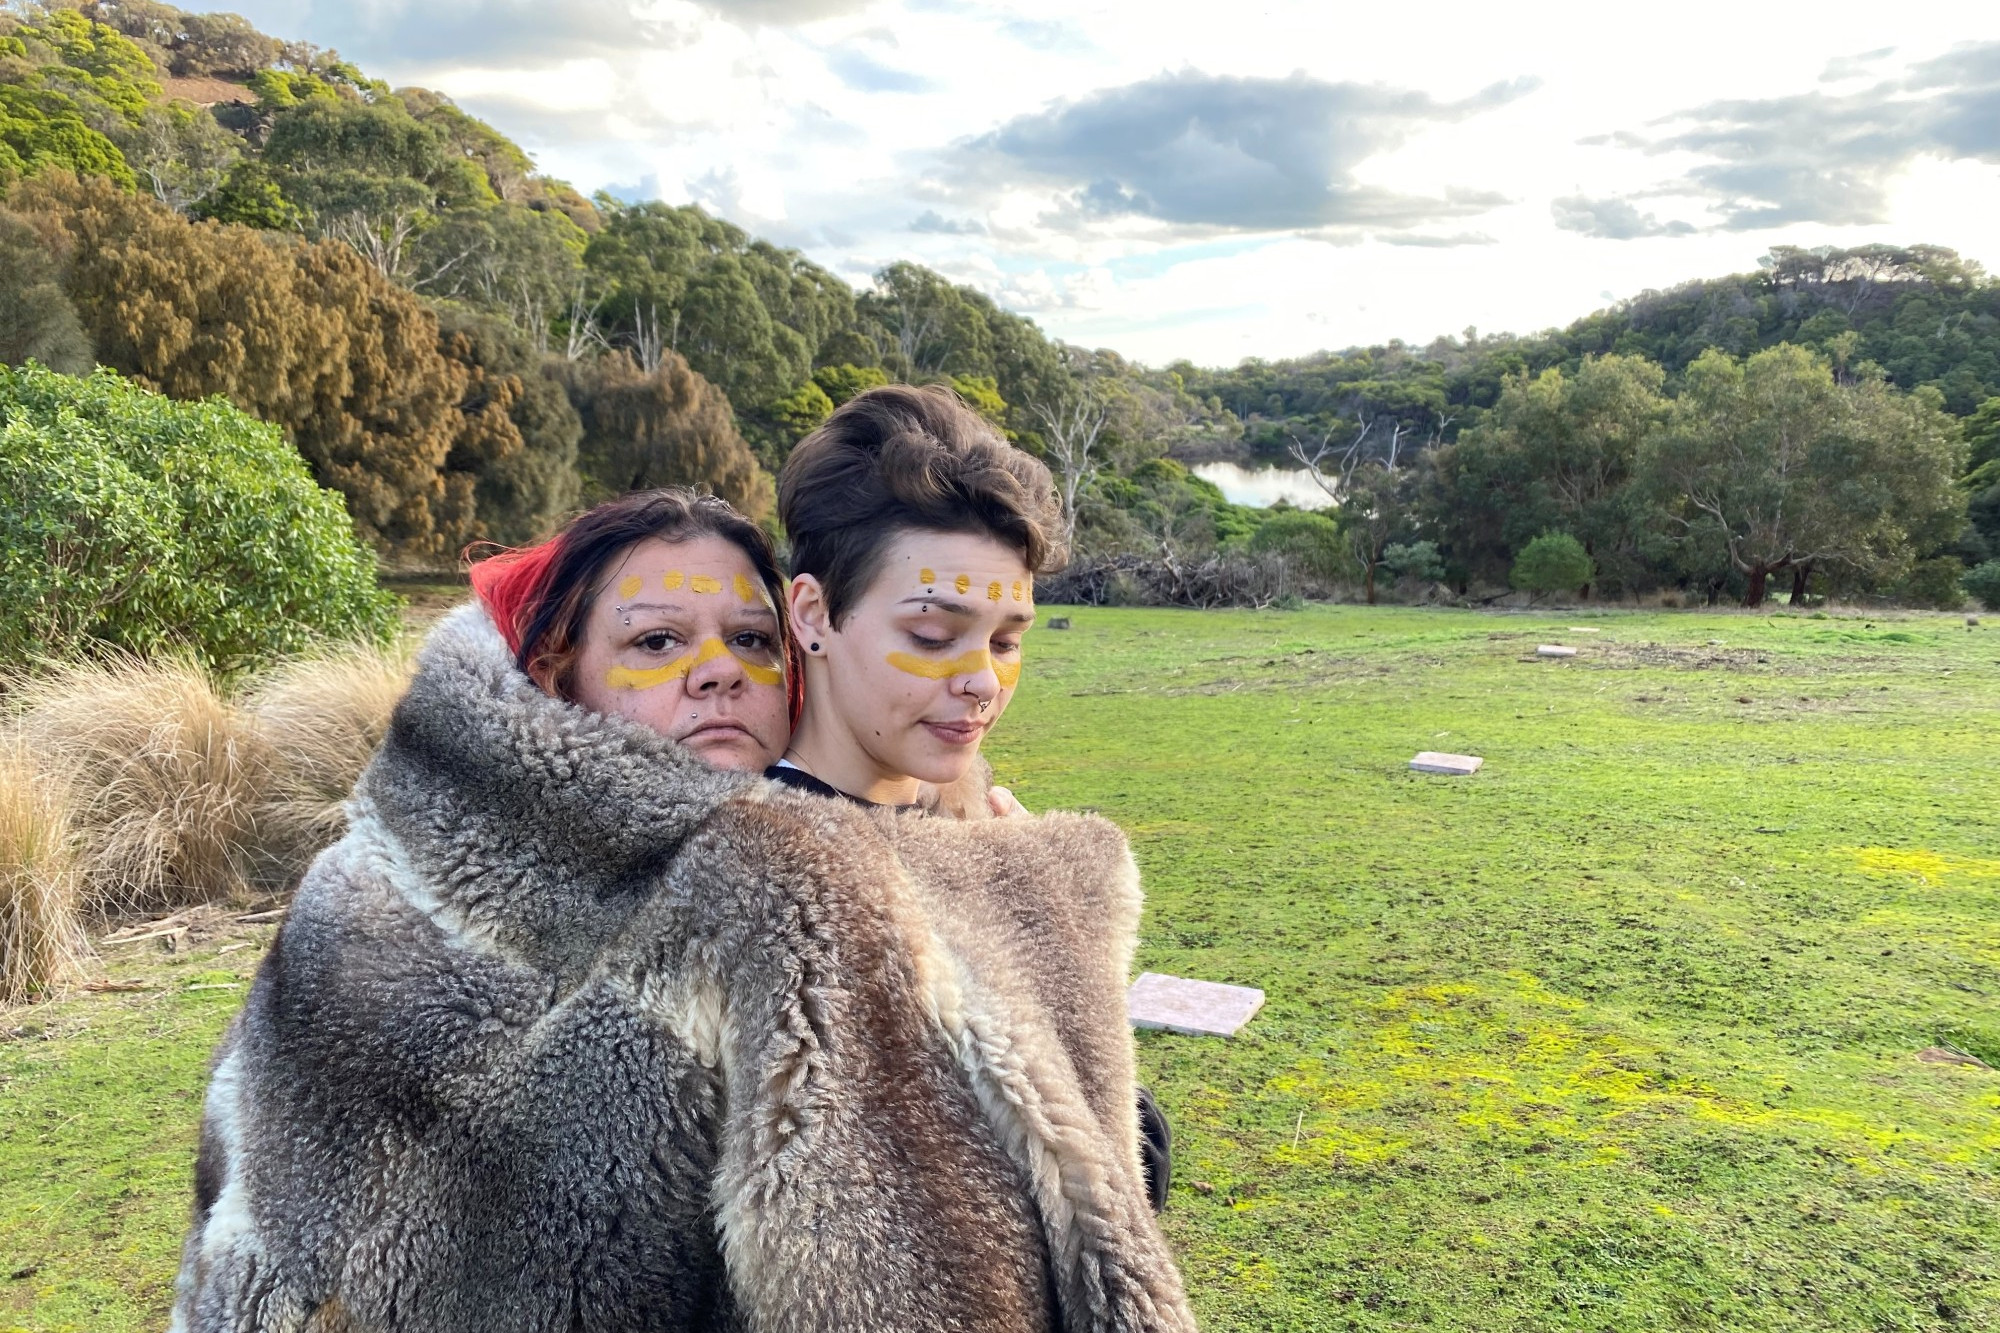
(792, 776)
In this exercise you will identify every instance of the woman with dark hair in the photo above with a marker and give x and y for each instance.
(583, 1026)
(660, 607)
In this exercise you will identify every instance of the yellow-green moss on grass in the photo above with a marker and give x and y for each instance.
(1620, 1033)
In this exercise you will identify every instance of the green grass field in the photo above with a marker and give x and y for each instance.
(1650, 1024)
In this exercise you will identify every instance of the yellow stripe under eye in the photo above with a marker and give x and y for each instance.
(966, 664)
(629, 678)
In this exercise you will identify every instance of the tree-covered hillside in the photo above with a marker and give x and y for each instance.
(467, 349)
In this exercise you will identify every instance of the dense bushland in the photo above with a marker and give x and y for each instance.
(466, 349)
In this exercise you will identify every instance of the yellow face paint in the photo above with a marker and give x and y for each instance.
(1017, 590)
(966, 664)
(963, 583)
(704, 584)
(629, 585)
(672, 582)
(629, 678)
(746, 591)
(993, 591)
(927, 576)
(762, 675)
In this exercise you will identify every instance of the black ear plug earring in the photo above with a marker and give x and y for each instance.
(813, 649)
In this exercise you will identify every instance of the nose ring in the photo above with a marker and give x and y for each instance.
(985, 704)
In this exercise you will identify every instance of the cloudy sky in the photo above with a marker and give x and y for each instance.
(1238, 177)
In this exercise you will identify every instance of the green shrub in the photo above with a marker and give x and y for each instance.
(1550, 563)
(142, 523)
(1310, 540)
(1935, 583)
(842, 382)
(1417, 560)
(1983, 582)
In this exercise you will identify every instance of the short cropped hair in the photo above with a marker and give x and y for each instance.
(908, 458)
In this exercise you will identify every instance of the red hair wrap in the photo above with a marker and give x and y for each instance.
(512, 584)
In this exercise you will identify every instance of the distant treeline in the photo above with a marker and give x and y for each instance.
(467, 349)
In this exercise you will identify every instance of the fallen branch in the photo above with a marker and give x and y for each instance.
(149, 935)
(147, 930)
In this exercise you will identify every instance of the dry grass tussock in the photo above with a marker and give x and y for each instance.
(165, 775)
(42, 946)
(183, 794)
(321, 718)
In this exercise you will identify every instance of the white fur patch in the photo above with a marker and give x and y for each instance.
(1005, 1087)
(229, 1238)
(375, 852)
(693, 1009)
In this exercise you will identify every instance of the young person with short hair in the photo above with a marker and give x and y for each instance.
(917, 533)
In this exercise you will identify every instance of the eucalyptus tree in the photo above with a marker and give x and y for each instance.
(1769, 462)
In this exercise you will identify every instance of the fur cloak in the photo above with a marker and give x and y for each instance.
(571, 1033)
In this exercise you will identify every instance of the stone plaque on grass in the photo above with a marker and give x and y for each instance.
(1554, 650)
(1452, 765)
(1191, 1008)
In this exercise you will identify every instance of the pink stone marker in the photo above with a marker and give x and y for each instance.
(1191, 1008)
(1451, 765)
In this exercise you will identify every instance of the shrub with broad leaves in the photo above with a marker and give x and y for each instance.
(137, 522)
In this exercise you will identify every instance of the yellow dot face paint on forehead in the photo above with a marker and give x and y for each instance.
(629, 585)
(705, 585)
(997, 590)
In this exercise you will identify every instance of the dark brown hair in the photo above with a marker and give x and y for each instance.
(540, 597)
(905, 458)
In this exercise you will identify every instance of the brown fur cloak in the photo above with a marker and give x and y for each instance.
(570, 1033)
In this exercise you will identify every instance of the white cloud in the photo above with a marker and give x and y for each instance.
(840, 125)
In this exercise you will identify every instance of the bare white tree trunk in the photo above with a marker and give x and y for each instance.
(1071, 424)
(583, 335)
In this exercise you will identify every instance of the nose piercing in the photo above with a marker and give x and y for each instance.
(984, 704)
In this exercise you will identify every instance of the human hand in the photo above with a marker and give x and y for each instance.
(1003, 804)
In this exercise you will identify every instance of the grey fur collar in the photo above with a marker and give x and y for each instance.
(535, 822)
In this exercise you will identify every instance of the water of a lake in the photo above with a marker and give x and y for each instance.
(1265, 486)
